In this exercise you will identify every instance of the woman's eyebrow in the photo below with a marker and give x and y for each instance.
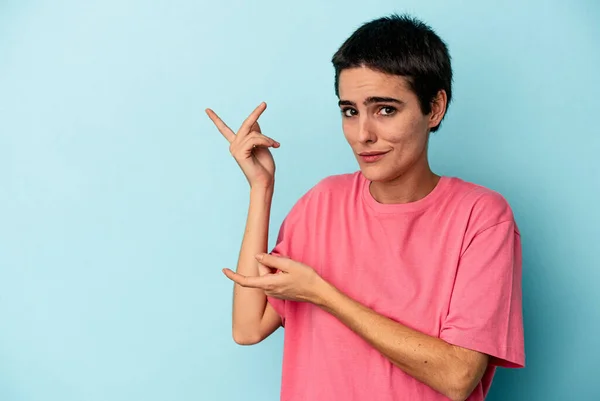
(371, 100)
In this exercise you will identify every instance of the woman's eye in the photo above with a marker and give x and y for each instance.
(387, 110)
(348, 112)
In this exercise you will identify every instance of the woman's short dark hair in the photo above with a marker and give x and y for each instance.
(400, 45)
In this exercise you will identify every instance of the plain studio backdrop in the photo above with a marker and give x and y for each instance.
(120, 203)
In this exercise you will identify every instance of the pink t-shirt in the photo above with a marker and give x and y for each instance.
(448, 265)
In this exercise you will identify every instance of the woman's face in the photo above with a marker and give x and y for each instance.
(383, 122)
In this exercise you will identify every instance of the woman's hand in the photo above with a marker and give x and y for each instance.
(250, 148)
(284, 278)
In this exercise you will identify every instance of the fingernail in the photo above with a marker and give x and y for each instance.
(259, 256)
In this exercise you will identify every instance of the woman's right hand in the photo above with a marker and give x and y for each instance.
(250, 148)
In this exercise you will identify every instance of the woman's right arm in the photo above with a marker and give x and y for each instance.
(253, 317)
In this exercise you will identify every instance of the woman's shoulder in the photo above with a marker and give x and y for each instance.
(338, 182)
(332, 186)
(484, 204)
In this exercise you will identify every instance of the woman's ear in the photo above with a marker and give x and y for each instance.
(438, 108)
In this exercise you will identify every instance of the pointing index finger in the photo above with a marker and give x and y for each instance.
(247, 281)
(221, 126)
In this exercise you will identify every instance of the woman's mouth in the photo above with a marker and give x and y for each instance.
(372, 157)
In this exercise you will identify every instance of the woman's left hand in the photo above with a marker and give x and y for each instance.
(293, 280)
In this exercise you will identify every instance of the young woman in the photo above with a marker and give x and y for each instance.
(392, 282)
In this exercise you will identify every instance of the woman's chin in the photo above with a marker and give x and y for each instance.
(373, 173)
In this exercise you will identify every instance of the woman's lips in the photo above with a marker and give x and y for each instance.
(372, 157)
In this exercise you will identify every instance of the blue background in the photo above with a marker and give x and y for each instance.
(120, 204)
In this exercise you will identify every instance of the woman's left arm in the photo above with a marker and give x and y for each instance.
(451, 370)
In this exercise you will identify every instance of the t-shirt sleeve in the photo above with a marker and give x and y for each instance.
(290, 242)
(485, 312)
(281, 249)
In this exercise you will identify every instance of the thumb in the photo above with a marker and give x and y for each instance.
(264, 270)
